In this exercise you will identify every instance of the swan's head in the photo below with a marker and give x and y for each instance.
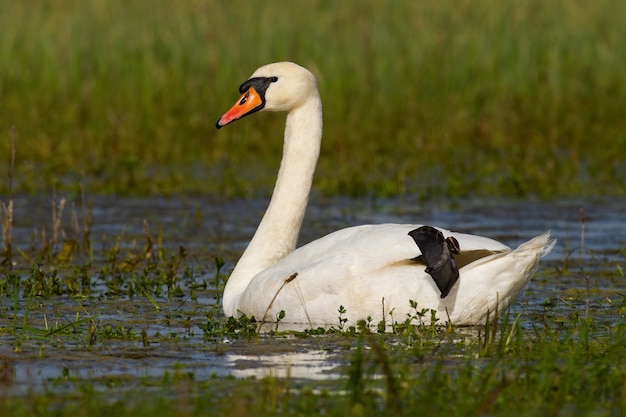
(281, 86)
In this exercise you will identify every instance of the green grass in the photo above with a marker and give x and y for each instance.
(472, 99)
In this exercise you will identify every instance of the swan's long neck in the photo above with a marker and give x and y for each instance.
(278, 231)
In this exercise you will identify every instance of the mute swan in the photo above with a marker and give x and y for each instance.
(370, 270)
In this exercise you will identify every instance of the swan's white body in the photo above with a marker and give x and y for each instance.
(366, 269)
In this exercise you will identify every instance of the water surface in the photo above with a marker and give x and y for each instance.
(170, 340)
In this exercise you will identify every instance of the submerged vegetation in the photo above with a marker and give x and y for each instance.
(480, 98)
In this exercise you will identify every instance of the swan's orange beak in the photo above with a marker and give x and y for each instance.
(249, 102)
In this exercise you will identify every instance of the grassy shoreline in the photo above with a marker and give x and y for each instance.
(481, 99)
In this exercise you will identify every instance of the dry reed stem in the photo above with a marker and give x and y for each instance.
(7, 208)
(269, 306)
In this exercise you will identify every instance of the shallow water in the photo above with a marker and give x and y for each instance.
(170, 340)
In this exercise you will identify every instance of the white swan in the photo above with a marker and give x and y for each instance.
(369, 270)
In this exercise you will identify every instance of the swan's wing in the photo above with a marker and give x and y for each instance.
(437, 255)
(386, 242)
(354, 266)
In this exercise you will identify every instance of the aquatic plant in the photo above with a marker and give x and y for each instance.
(565, 353)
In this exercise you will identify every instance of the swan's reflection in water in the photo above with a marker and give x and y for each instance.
(287, 356)
(312, 365)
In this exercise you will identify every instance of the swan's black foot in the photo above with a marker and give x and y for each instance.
(437, 255)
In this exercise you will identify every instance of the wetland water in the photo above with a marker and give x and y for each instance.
(111, 333)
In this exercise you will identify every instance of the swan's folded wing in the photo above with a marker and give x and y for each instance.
(437, 256)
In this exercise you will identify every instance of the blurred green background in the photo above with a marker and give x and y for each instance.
(433, 98)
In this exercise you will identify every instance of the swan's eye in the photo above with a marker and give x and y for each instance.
(273, 79)
(244, 98)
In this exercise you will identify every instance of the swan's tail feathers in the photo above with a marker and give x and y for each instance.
(437, 255)
(542, 244)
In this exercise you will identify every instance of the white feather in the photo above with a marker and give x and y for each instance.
(366, 269)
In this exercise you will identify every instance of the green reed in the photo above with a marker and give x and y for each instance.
(475, 98)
